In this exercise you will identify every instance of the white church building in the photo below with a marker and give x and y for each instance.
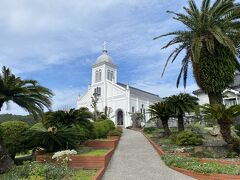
(122, 99)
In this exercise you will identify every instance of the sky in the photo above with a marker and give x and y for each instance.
(56, 42)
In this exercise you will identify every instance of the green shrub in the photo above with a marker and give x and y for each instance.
(187, 138)
(110, 124)
(114, 132)
(36, 171)
(203, 154)
(149, 130)
(13, 133)
(100, 129)
(237, 129)
(103, 127)
(53, 139)
(232, 155)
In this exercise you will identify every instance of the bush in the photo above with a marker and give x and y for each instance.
(53, 139)
(149, 130)
(35, 170)
(237, 129)
(188, 138)
(109, 124)
(103, 127)
(203, 154)
(114, 132)
(13, 133)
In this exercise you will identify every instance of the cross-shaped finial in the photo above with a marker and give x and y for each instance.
(104, 46)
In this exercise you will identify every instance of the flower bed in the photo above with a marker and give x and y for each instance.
(213, 169)
(91, 160)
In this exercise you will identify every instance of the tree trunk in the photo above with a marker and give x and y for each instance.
(167, 131)
(159, 123)
(225, 130)
(215, 98)
(180, 123)
(6, 163)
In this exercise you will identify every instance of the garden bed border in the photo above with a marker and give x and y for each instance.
(193, 174)
(90, 162)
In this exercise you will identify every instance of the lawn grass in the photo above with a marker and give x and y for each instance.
(200, 167)
(89, 151)
(82, 174)
(96, 152)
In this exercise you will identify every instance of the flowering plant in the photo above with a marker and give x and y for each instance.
(64, 156)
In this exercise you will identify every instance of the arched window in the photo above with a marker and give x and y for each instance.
(96, 76)
(100, 75)
(108, 75)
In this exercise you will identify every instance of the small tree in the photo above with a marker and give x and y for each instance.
(161, 111)
(137, 118)
(181, 104)
(13, 133)
(224, 116)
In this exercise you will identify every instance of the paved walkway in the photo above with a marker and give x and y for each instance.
(135, 159)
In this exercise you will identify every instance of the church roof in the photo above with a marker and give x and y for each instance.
(133, 89)
(104, 57)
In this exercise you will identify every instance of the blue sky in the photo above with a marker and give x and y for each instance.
(57, 41)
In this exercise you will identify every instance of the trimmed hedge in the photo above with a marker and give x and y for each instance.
(103, 127)
(187, 138)
(13, 133)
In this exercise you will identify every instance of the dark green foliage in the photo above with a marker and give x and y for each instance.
(110, 124)
(114, 132)
(54, 139)
(210, 43)
(181, 104)
(203, 154)
(37, 171)
(103, 127)
(215, 71)
(28, 94)
(188, 138)
(232, 154)
(237, 129)
(11, 117)
(66, 118)
(13, 133)
(149, 130)
(78, 117)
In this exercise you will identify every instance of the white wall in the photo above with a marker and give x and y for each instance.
(203, 98)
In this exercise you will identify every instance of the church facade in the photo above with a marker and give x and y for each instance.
(121, 100)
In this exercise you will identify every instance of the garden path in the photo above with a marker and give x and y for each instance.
(135, 159)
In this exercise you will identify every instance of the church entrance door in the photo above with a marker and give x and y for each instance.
(120, 118)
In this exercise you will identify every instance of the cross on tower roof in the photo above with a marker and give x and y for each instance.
(104, 47)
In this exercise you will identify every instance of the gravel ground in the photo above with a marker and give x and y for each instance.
(135, 159)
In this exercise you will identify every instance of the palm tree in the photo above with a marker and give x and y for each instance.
(162, 111)
(210, 43)
(29, 95)
(181, 104)
(223, 115)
